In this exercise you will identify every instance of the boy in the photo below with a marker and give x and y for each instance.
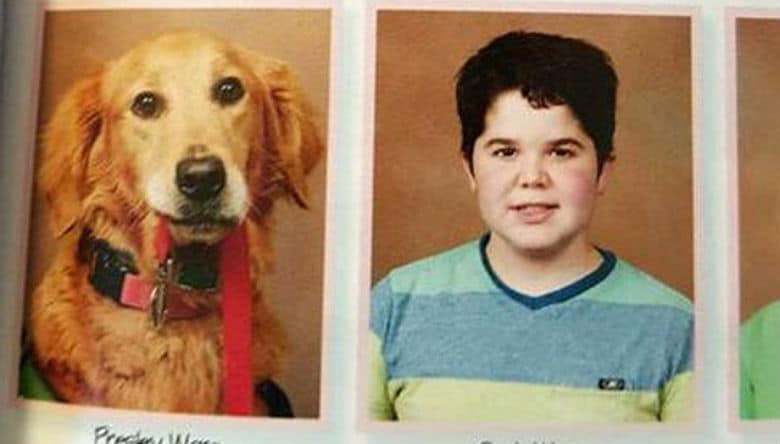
(531, 322)
(760, 364)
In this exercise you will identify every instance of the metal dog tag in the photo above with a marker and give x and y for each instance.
(157, 308)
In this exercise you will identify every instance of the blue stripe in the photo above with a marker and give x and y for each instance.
(554, 297)
(381, 299)
(487, 336)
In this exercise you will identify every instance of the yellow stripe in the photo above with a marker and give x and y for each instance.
(677, 398)
(441, 399)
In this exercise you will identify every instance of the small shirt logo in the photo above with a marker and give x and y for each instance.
(614, 384)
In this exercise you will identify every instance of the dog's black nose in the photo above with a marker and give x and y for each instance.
(202, 178)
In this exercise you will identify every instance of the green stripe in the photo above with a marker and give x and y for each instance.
(465, 273)
(629, 285)
(458, 270)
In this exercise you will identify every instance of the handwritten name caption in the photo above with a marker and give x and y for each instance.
(105, 435)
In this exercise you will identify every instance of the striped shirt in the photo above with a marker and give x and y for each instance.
(450, 341)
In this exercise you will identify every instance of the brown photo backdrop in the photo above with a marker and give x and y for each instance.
(76, 43)
(758, 137)
(422, 202)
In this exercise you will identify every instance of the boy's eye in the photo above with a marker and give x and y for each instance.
(562, 152)
(505, 151)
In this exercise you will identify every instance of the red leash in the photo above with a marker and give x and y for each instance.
(237, 393)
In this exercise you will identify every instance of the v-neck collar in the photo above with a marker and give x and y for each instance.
(556, 296)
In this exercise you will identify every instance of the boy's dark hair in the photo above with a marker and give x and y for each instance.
(547, 70)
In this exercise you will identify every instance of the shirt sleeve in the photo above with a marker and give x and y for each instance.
(677, 398)
(379, 404)
(677, 395)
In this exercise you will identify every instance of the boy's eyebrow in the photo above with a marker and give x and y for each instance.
(553, 142)
(567, 141)
(500, 141)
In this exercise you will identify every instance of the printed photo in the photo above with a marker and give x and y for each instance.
(757, 69)
(176, 242)
(532, 249)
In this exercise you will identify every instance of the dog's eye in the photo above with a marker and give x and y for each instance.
(227, 91)
(147, 105)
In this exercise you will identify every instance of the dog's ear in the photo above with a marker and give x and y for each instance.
(290, 133)
(67, 141)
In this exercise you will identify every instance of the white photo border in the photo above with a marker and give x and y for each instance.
(52, 419)
(550, 432)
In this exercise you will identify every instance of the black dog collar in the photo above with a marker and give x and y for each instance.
(194, 266)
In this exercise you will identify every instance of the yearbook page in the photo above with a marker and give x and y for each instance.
(425, 221)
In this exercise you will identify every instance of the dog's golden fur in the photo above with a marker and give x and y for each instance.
(108, 171)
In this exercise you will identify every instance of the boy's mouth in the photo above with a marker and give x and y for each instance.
(534, 212)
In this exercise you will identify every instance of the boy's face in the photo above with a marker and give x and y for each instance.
(536, 177)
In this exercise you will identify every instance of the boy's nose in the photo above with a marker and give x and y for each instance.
(532, 174)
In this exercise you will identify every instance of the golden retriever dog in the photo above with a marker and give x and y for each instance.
(192, 134)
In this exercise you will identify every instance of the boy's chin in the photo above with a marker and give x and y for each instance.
(539, 247)
(538, 251)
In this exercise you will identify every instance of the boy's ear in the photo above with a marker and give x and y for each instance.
(604, 175)
(467, 169)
